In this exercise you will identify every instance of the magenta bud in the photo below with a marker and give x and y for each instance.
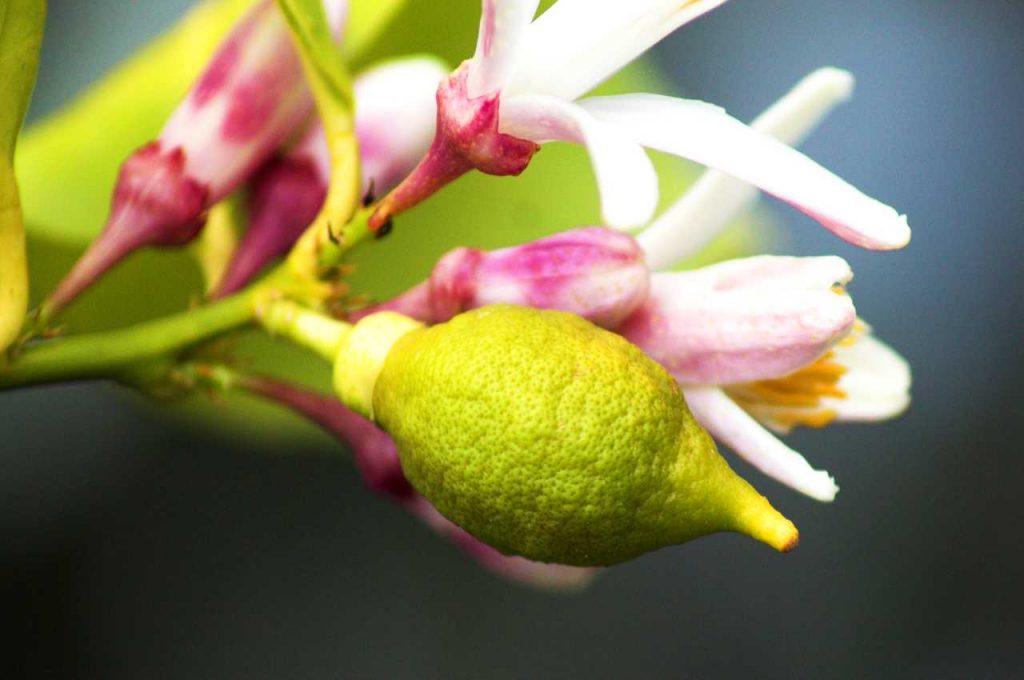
(155, 204)
(466, 138)
(284, 198)
(246, 103)
(593, 272)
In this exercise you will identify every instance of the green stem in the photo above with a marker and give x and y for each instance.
(102, 355)
(303, 326)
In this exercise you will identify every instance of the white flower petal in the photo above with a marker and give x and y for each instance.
(877, 383)
(705, 335)
(768, 271)
(707, 135)
(503, 25)
(625, 175)
(874, 386)
(795, 116)
(395, 117)
(731, 425)
(717, 198)
(577, 44)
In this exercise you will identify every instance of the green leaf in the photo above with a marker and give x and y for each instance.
(21, 35)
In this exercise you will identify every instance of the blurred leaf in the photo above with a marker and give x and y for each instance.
(13, 265)
(366, 20)
(21, 35)
(149, 284)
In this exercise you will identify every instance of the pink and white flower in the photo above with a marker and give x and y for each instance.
(593, 272)
(766, 342)
(744, 320)
(770, 341)
(757, 344)
(523, 86)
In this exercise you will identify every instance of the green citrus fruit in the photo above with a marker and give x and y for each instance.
(547, 437)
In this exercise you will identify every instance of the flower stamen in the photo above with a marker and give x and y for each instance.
(797, 399)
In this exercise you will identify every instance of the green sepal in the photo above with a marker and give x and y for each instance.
(325, 70)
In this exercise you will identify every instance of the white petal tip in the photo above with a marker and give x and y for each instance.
(882, 229)
(821, 488)
(835, 83)
(896, 236)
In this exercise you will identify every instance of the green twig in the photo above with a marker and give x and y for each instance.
(103, 355)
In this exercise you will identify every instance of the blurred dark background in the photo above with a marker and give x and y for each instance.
(132, 546)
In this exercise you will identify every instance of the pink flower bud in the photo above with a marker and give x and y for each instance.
(396, 112)
(155, 204)
(284, 198)
(744, 320)
(250, 98)
(593, 272)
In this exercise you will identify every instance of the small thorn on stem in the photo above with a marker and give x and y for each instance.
(331, 236)
(370, 196)
(384, 229)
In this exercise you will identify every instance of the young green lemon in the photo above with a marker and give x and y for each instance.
(548, 437)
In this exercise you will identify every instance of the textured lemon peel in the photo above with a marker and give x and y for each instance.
(547, 437)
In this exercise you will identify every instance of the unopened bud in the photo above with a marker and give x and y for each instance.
(739, 321)
(156, 203)
(593, 272)
(250, 98)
